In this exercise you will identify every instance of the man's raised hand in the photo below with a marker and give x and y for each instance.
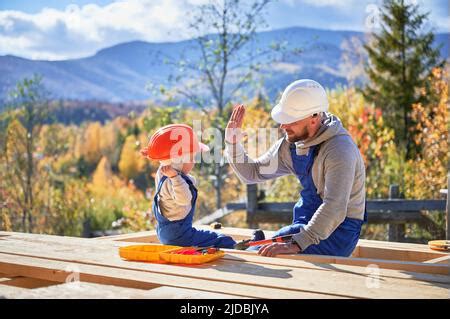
(233, 131)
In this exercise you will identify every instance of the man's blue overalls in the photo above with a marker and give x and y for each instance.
(343, 240)
(181, 232)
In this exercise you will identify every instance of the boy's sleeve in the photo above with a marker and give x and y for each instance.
(179, 190)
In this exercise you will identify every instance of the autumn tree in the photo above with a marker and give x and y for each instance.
(108, 142)
(91, 143)
(131, 161)
(19, 159)
(428, 170)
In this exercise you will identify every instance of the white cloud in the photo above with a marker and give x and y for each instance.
(82, 30)
(323, 3)
(79, 31)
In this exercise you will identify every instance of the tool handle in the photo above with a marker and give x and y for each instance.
(279, 239)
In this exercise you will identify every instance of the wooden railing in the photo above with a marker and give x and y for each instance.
(394, 211)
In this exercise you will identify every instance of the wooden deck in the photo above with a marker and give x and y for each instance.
(43, 266)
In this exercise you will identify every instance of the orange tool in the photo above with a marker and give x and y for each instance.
(196, 251)
(249, 243)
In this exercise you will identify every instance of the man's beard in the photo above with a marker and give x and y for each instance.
(295, 138)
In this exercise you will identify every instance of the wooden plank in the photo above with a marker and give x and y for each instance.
(84, 290)
(396, 254)
(275, 216)
(369, 251)
(414, 267)
(252, 204)
(380, 249)
(336, 263)
(398, 246)
(151, 237)
(386, 250)
(447, 209)
(375, 205)
(268, 276)
(165, 292)
(439, 260)
(26, 282)
(388, 244)
(57, 271)
(298, 263)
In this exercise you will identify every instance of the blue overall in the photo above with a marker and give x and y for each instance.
(181, 232)
(343, 240)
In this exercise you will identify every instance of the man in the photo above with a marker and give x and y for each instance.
(328, 217)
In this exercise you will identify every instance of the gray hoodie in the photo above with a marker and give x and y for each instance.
(338, 173)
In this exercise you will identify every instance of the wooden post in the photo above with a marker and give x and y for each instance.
(252, 204)
(447, 209)
(396, 231)
(87, 228)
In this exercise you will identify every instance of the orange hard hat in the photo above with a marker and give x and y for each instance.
(173, 141)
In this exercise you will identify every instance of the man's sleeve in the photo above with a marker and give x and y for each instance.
(270, 165)
(339, 174)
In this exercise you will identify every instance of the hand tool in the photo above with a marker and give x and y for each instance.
(249, 243)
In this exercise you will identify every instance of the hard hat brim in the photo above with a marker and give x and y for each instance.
(281, 117)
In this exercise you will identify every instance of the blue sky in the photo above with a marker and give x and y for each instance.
(62, 29)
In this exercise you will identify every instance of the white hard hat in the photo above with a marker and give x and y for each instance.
(300, 99)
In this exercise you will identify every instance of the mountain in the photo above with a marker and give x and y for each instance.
(120, 73)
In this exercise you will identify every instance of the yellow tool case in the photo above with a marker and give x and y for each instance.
(170, 254)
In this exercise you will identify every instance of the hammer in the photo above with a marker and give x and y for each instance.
(249, 243)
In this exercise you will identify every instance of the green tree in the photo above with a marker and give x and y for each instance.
(401, 59)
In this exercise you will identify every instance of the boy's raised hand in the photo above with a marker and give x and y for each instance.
(168, 171)
(233, 132)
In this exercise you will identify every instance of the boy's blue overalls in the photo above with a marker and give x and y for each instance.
(343, 240)
(181, 232)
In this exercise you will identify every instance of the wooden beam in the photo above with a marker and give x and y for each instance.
(375, 205)
(252, 204)
(447, 209)
(396, 231)
(85, 290)
(409, 266)
(56, 270)
(257, 276)
(336, 264)
(439, 260)
(26, 282)
(272, 216)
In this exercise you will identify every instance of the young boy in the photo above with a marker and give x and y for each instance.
(176, 194)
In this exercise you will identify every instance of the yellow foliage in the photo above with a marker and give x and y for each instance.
(5, 222)
(103, 175)
(131, 161)
(90, 147)
(365, 124)
(108, 141)
(427, 174)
